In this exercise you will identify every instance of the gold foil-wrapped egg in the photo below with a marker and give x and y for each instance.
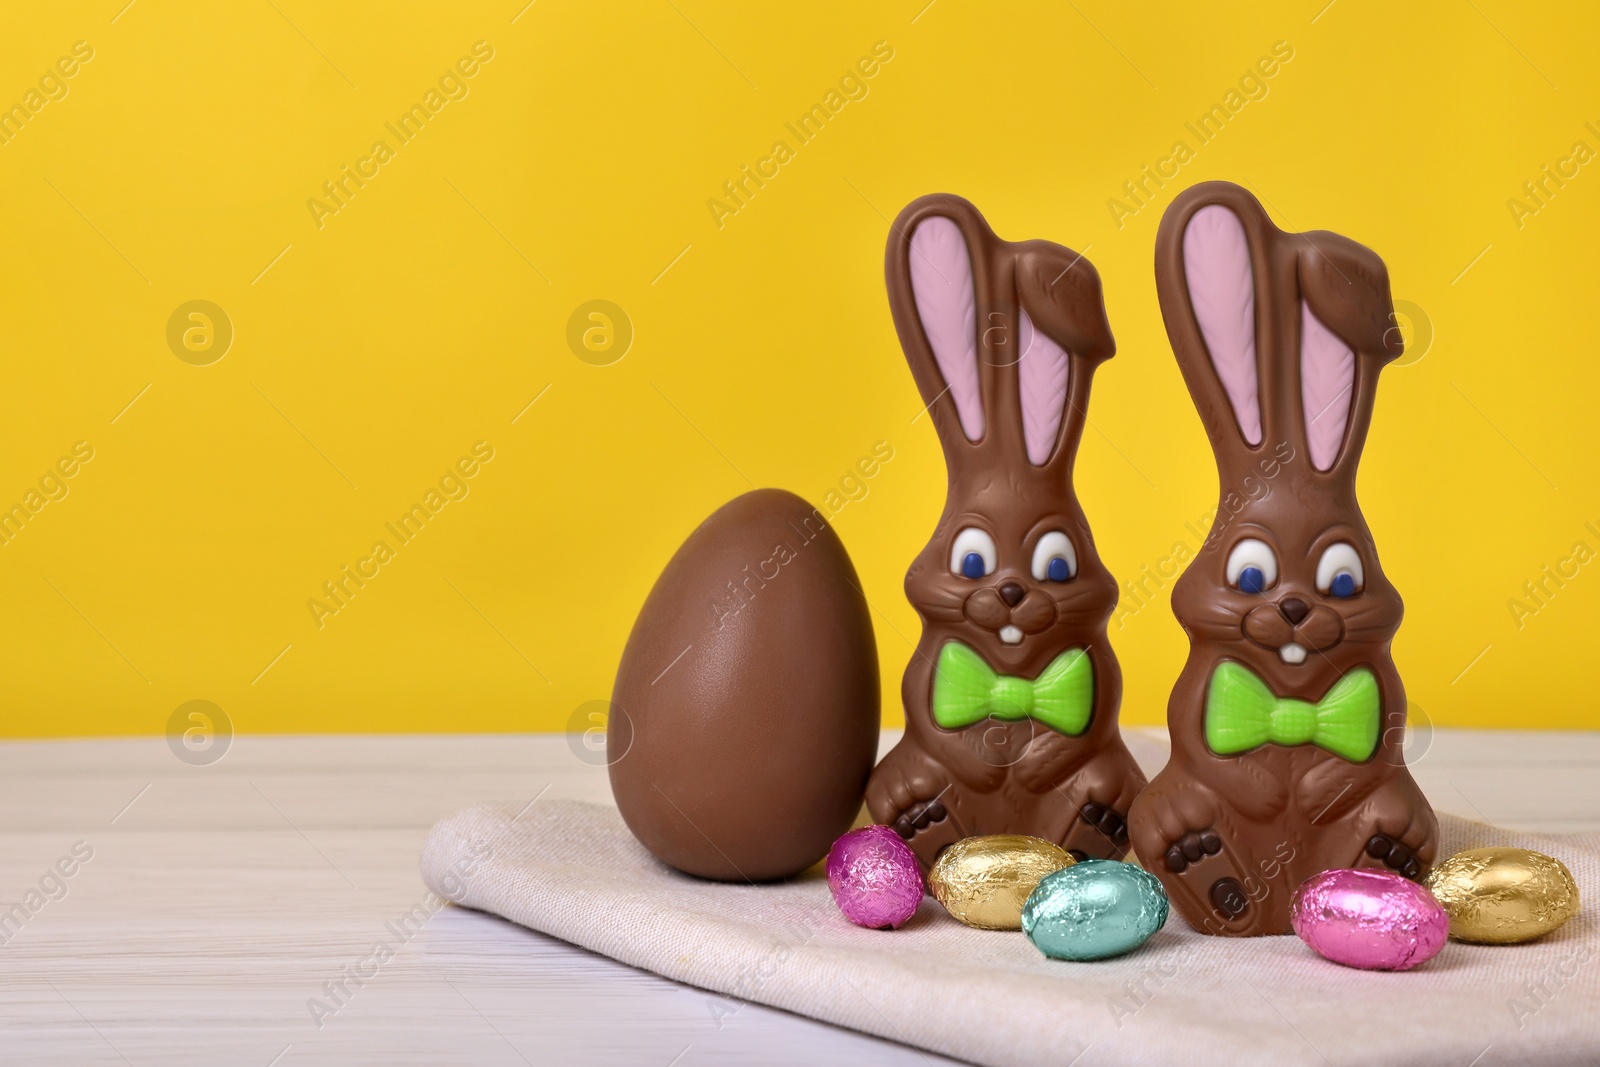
(1502, 896)
(984, 881)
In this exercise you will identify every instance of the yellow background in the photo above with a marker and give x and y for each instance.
(369, 354)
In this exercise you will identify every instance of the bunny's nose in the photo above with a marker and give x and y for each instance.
(1294, 609)
(1012, 593)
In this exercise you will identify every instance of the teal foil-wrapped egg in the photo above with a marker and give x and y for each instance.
(1093, 910)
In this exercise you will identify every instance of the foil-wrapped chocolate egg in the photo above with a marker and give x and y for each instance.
(875, 878)
(984, 881)
(1375, 920)
(1502, 896)
(1093, 910)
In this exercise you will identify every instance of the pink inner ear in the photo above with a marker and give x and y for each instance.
(941, 280)
(1327, 387)
(1216, 262)
(1042, 372)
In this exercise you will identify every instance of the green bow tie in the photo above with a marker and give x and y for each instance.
(967, 690)
(1242, 713)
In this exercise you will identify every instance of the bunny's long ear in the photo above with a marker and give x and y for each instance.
(1206, 281)
(1346, 337)
(934, 268)
(942, 283)
(1063, 335)
(1222, 292)
(1043, 372)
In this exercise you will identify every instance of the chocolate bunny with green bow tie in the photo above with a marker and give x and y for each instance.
(1288, 718)
(1011, 697)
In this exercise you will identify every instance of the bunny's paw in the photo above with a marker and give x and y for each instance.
(919, 816)
(928, 826)
(919, 805)
(1399, 832)
(1199, 861)
(1392, 854)
(1101, 833)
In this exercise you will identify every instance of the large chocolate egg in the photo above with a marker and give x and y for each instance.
(744, 721)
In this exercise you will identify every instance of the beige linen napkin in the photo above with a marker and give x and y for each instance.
(573, 870)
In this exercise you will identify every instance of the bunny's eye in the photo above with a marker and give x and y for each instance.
(1054, 558)
(973, 554)
(1339, 571)
(1252, 566)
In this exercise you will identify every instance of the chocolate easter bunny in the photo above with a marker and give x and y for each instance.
(1011, 697)
(1288, 718)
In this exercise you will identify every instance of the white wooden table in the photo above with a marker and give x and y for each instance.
(220, 899)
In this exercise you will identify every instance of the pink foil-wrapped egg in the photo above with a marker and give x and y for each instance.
(874, 877)
(1375, 920)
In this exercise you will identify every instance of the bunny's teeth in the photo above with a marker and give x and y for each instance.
(1011, 635)
(1292, 653)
